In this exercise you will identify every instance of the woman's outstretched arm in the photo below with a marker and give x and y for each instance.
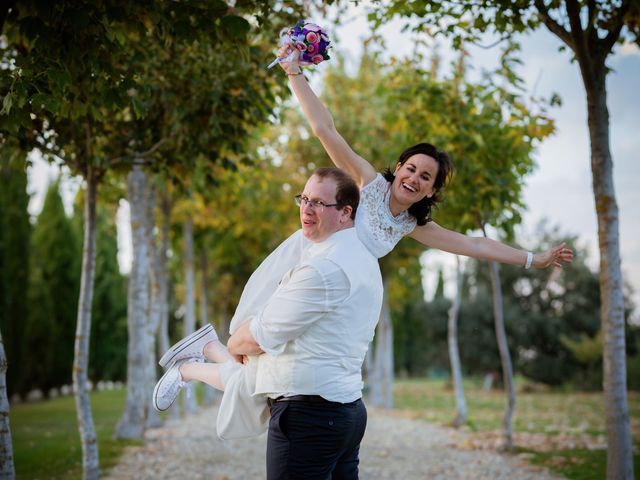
(435, 236)
(321, 122)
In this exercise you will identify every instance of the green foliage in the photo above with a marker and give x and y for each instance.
(53, 293)
(439, 286)
(420, 338)
(15, 232)
(487, 129)
(551, 319)
(633, 365)
(466, 22)
(108, 347)
(586, 349)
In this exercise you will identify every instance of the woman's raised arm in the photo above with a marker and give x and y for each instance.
(321, 122)
(433, 235)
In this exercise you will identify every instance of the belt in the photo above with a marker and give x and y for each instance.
(299, 398)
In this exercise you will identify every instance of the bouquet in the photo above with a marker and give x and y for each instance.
(309, 39)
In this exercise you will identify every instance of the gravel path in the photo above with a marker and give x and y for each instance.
(394, 447)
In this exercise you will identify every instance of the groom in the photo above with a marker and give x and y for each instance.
(316, 329)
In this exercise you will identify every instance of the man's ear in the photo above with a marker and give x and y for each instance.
(346, 213)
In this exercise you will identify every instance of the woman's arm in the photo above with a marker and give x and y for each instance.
(435, 236)
(321, 122)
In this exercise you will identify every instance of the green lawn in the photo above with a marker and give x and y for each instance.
(46, 441)
(561, 430)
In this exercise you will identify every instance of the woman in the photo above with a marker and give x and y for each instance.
(392, 205)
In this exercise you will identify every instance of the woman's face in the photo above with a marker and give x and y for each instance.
(414, 179)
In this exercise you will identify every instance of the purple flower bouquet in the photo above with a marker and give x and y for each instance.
(310, 39)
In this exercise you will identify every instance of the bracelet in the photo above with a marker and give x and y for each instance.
(527, 265)
(294, 74)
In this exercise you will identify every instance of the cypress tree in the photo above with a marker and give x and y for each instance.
(53, 294)
(440, 286)
(108, 347)
(15, 231)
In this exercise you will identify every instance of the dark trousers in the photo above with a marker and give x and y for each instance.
(315, 440)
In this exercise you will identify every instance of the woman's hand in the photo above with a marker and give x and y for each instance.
(291, 64)
(555, 256)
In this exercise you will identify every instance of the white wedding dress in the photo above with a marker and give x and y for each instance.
(243, 414)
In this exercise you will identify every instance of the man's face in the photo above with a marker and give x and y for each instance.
(319, 223)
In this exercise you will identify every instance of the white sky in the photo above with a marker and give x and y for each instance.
(560, 188)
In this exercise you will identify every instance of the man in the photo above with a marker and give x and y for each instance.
(316, 329)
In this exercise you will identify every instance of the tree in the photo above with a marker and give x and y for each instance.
(472, 121)
(63, 74)
(590, 30)
(108, 353)
(133, 421)
(7, 469)
(15, 232)
(69, 72)
(454, 354)
(54, 289)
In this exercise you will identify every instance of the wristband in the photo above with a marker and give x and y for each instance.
(294, 74)
(527, 265)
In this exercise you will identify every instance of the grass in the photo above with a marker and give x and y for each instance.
(562, 431)
(46, 442)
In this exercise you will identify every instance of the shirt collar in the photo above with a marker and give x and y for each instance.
(330, 241)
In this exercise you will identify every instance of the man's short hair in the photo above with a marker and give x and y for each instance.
(347, 191)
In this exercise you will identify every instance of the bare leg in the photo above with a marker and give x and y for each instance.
(217, 352)
(208, 373)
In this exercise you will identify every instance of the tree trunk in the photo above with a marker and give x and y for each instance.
(210, 393)
(382, 385)
(163, 329)
(454, 355)
(7, 469)
(619, 451)
(90, 463)
(505, 357)
(190, 404)
(154, 307)
(163, 274)
(133, 421)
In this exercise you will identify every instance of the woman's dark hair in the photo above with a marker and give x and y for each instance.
(422, 210)
(347, 191)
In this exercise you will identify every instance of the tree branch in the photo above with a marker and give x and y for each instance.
(583, 54)
(614, 33)
(491, 45)
(152, 150)
(553, 26)
(592, 29)
(139, 156)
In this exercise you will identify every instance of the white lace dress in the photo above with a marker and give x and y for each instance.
(243, 414)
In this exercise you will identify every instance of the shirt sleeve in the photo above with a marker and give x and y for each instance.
(305, 296)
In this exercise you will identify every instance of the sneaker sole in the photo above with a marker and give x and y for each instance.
(168, 357)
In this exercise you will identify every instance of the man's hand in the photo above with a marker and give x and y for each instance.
(243, 343)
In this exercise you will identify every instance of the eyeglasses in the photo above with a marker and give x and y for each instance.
(317, 205)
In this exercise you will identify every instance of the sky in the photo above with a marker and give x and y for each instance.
(560, 189)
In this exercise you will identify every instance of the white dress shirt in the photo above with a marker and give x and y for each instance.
(317, 326)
